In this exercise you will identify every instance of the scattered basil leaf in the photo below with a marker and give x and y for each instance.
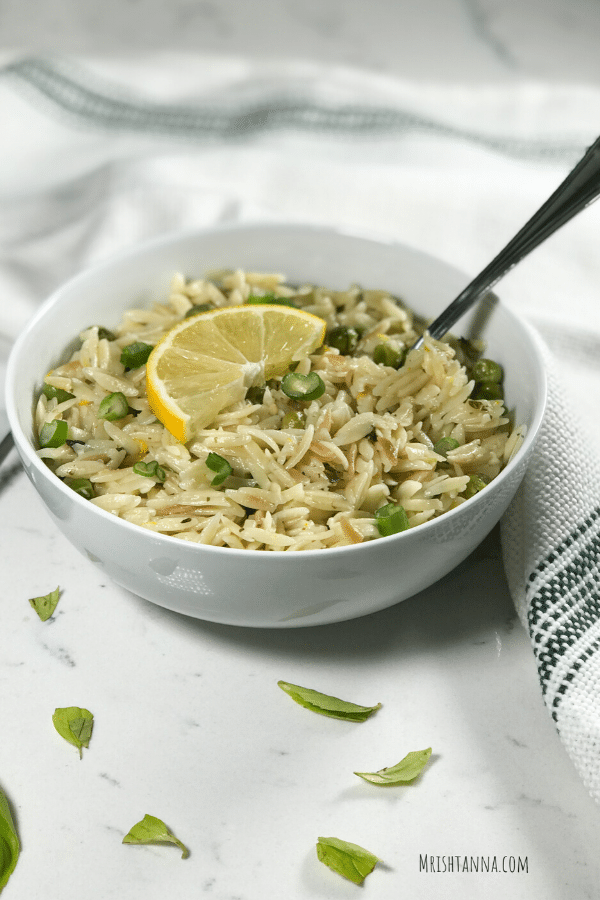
(136, 354)
(403, 772)
(45, 606)
(152, 830)
(219, 465)
(74, 724)
(327, 705)
(105, 334)
(349, 860)
(9, 842)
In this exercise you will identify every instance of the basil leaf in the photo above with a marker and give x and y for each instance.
(9, 842)
(349, 860)
(403, 772)
(74, 724)
(152, 830)
(45, 606)
(326, 705)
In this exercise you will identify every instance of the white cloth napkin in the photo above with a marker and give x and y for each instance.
(99, 154)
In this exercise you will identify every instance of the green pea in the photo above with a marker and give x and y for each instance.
(487, 370)
(343, 338)
(386, 354)
(488, 391)
(475, 484)
(293, 419)
(391, 519)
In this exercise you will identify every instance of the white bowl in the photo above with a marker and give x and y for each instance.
(269, 589)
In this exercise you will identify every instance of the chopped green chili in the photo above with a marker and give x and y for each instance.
(475, 484)
(150, 470)
(81, 486)
(487, 370)
(135, 355)
(53, 434)
(54, 393)
(343, 338)
(386, 354)
(391, 519)
(302, 387)
(113, 406)
(219, 465)
(444, 445)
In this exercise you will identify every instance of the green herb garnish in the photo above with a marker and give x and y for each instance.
(475, 484)
(391, 519)
(150, 830)
(327, 705)
(74, 724)
(349, 860)
(403, 772)
(9, 842)
(135, 355)
(219, 465)
(150, 470)
(45, 606)
(303, 387)
(196, 310)
(53, 434)
(113, 406)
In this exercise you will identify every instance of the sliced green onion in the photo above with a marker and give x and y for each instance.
(150, 470)
(386, 354)
(302, 387)
(81, 486)
(444, 445)
(268, 299)
(475, 484)
(114, 406)
(343, 338)
(391, 519)
(200, 308)
(487, 370)
(53, 434)
(219, 465)
(135, 355)
(54, 393)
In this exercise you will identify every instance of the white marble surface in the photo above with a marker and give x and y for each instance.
(189, 723)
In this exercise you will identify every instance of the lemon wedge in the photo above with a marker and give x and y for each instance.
(207, 362)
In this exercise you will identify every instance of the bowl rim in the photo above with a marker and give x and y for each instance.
(142, 248)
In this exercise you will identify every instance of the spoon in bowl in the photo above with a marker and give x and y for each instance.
(580, 187)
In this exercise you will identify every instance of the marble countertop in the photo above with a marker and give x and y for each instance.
(190, 725)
